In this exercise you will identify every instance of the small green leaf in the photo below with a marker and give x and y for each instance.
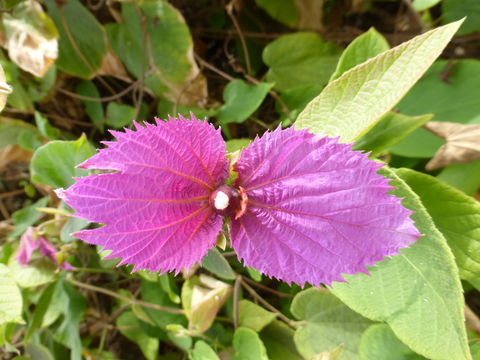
(379, 342)
(453, 10)
(26, 217)
(202, 351)
(119, 115)
(252, 316)
(254, 274)
(72, 225)
(11, 132)
(278, 339)
(389, 131)
(300, 59)
(329, 323)
(40, 310)
(237, 144)
(53, 164)
(455, 214)
(218, 265)
(129, 326)
(38, 352)
(10, 298)
(283, 11)
(93, 109)
(364, 47)
(82, 44)
(421, 5)
(241, 101)
(351, 105)
(45, 128)
(248, 345)
(419, 286)
(72, 307)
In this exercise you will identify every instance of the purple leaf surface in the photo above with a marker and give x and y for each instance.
(316, 209)
(155, 207)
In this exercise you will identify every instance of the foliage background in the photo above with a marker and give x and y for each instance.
(79, 68)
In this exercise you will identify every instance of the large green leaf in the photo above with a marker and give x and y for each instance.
(202, 351)
(241, 101)
(349, 106)
(166, 53)
(418, 292)
(449, 91)
(390, 130)
(82, 44)
(379, 342)
(10, 298)
(248, 345)
(38, 272)
(456, 9)
(364, 47)
(328, 324)
(455, 214)
(129, 326)
(300, 59)
(53, 164)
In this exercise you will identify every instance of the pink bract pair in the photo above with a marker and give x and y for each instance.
(304, 208)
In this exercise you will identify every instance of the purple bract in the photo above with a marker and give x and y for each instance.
(303, 208)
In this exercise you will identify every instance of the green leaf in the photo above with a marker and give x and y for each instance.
(455, 214)
(241, 101)
(295, 100)
(389, 131)
(166, 108)
(53, 164)
(248, 345)
(82, 45)
(252, 316)
(278, 339)
(40, 310)
(93, 109)
(444, 91)
(218, 265)
(11, 131)
(73, 307)
(457, 9)
(38, 352)
(349, 106)
(202, 351)
(364, 47)
(421, 5)
(237, 144)
(129, 326)
(464, 177)
(10, 298)
(119, 115)
(72, 225)
(38, 272)
(45, 128)
(166, 54)
(300, 59)
(379, 342)
(283, 11)
(328, 323)
(419, 286)
(254, 274)
(26, 217)
(154, 293)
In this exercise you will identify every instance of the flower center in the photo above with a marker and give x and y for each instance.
(226, 200)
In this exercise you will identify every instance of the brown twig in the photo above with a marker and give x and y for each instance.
(236, 294)
(266, 288)
(270, 307)
(11, 193)
(246, 54)
(101, 99)
(124, 298)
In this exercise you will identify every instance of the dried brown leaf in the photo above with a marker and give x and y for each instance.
(5, 89)
(13, 154)
(462, 143)
(113, 66)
